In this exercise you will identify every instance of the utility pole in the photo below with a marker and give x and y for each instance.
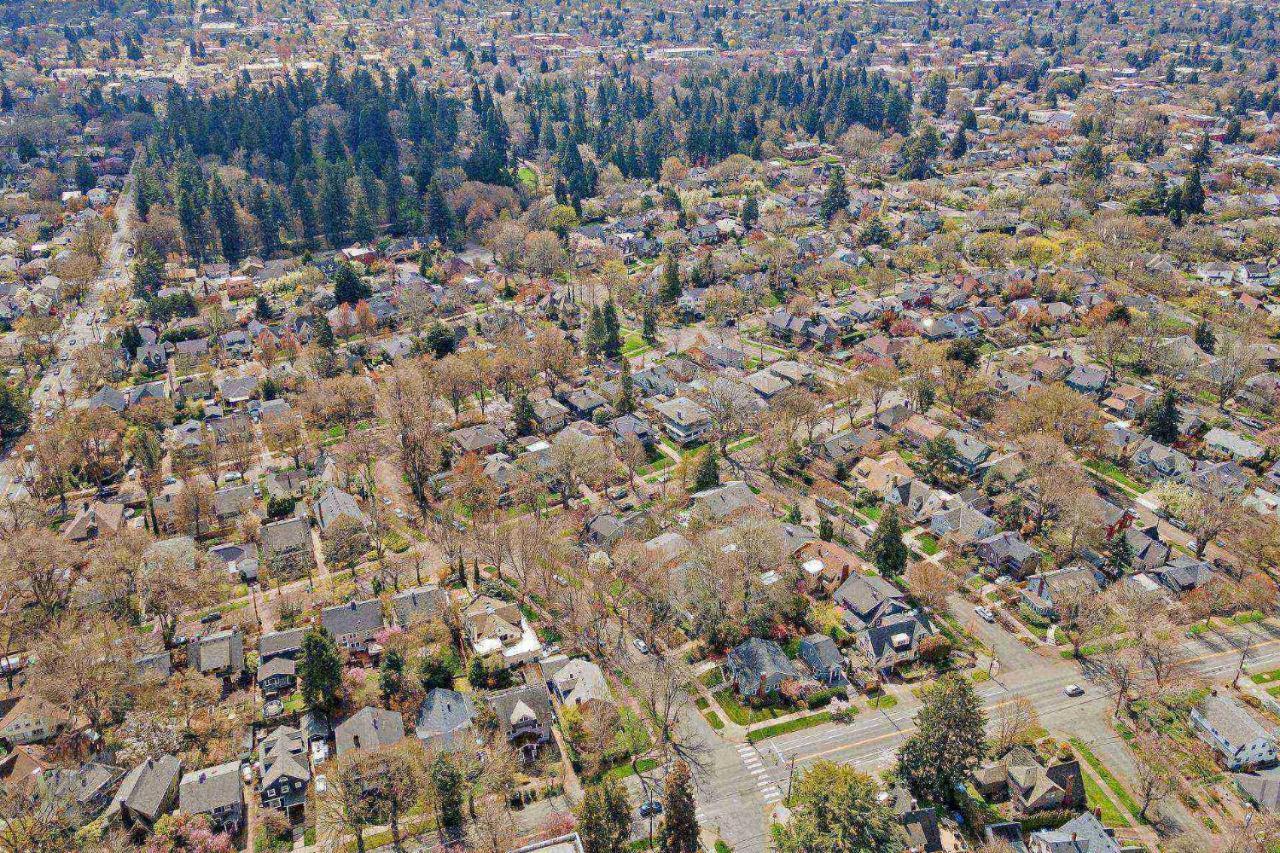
(1244, 654)
(791, 775)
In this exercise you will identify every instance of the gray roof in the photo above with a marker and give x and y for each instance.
(507, 703)
(369, 728)
(279, 536)
(212, 788)
(334, 504)
(426, 600)
(221, 650)
(762, 657)
(146, 787)
(1236, 725)
(444, 713)
(276, 643)
(1082, 834)
(354, 617)
(725, 500)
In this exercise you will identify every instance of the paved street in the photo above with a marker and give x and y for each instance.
(747, 782)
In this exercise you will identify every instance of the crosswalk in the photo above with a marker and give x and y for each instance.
(769, 790)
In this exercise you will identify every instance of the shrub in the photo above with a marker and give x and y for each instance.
(935, 648)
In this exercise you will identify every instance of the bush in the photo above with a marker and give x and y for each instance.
(822, 698)
(934, 649)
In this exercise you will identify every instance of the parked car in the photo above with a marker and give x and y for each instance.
(650, 808)
(641, 646)
(985, 613)
(1073, 690)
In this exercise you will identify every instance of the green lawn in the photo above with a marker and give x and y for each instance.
(712, 678)
(732, 706)
(1122, 796)
(872, 512)
(1111, 472)
(633, 345)
(644, 765)
(883, 702)
(1266, 677)
(527, 176)
(789, 726)
(713, 720)
(928, 544)
(1098, 799)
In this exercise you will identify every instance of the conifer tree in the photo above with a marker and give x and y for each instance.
(888, 551)
(671, 289)
(680, 823)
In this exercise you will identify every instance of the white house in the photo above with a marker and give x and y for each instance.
(1240, 740)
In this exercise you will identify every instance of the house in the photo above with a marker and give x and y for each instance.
(1031, 783)
(1261, 788)
(758, 667)
(1148, 549)
(551, 415)
(498, 627)
(1041, 588)
(970, 453)
(419, 603)
(894, 641)
(917, 499)
(869, 600)
(287, 644)
(632, 426)
(352, 625)
(1087, 380)
(524, 717)
(684, 420)
(580, 681)
(1183, 573)
(1008, 553)
(1226, 443)
(220, 653)
(725, 502)
(444, 718)
(286, 546)
(1240, 741)
(824, 659)
(1082, 834)
(216, 793)
(334, 504)
(962, 524)
(277, 676)
(1159, 462)
(32, 720)
(369, 728)
(482, 439)
(148, 792)
(285, 770)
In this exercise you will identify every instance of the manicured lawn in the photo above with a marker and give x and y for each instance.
(1111, 472)
(1098, 799)
(739, 713)
(527, 176)
(883, 702)
(644, 765)
(713, 720)
(1122, 796)
(789, 726)
(633, 345)
(1266, 677)
(872, 512)
(928, 544)
(712, 678)
(979, 675)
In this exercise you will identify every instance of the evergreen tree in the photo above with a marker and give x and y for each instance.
(919, 153)
(888, 551)
(1121, 556)
(332, 208)
(1091, 160)
(363, 228)
(670, 290)
(319, 670)
(15, 413)
(84, 177)
(522, 413)
(1202, 154)
(440, 219)
(708, 473)
(612, 344)
(604, 817)
(148, 272)
(596, 333)
(959, 144)
(1204, 337)
(948, 743)
(1161, 419)
(836, 809)
(324, 333)
(226, 220)
(391, 674)
(626, 395)
(348, 287)
(447, 780)
(679, 832)
(750, 212)
(836, 198)
(1193, 193)
(826, 530)
(649, 331)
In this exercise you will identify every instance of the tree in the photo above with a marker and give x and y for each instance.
(836, 809)
(959, 144)
(708, 474)
(680, 822)
(320, 670)
(888, 551)
(836, 197)
(948, 743)
(931, 584)
(345, 542)
(1193, 193)
(1204, 336)
(604, 817)
(670, 289)
(446, 781)
(344, 805)
(348, 287)
(1161, 419)
(649, 332)
(1017, 723)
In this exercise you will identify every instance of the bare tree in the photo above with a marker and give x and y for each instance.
(1120, 671)
(660, 689)
(1235, 361)
(1154, 779)
(1017, 723)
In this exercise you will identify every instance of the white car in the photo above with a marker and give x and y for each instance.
(1073, 690)
(985, 613)
(641, 646)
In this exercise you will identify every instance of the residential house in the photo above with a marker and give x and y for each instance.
(498, 627)
(220, 653)
(287, 546)
(579, 681)
(1031, 783)
(869, 600)
(961, 524)
(524, 717)
(1226, 443)
(419, 603)
(1238, 739)
(148, 792)
(684, 421)
(32, 719)
(1008, 553)
(758, 667)
(444, 719)
(970, 454)
(824, 659)
(334, 504)
(918, 500)
(277, 676)
(894, 641)
(1042, 588)
(369, 728)
(215, 792)
(352, 625)
(1082, 834)
(285, 771)
(723, 503)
